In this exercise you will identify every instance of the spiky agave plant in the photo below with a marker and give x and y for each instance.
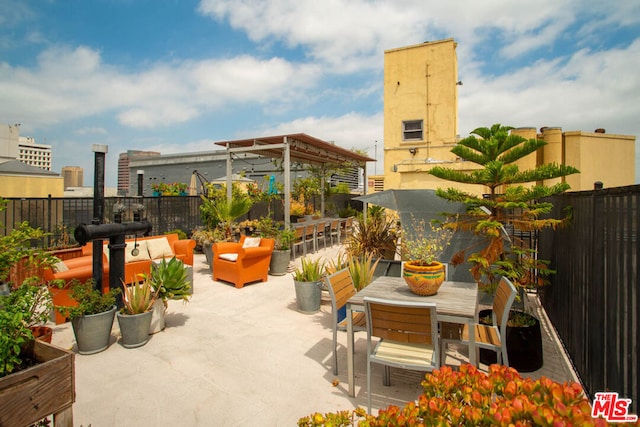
(138, 298)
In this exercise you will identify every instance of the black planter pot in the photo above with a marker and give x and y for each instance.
(524, 346)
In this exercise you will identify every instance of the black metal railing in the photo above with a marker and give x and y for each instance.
(60, 216)
(594, 300)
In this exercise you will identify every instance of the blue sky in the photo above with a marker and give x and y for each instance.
(178, 75)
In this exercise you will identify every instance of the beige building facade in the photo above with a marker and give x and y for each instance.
(420, 129)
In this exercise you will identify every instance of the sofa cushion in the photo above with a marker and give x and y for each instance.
(251, 242)
(106, 251)
(60, 266)
(229, 257)
(143, 253)
(159, 248)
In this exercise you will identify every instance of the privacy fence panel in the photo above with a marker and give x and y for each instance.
(593, 300)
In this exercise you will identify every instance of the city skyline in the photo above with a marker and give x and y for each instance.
(177, 76)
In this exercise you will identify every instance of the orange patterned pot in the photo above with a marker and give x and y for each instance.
(423, 280)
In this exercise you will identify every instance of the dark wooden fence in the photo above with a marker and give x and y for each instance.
(593, 300)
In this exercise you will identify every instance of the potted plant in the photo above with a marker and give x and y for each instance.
(221, 212)
(471, 397)
(361, 268)
(377, 235)
(92, 318)
(283, 238)
(281, 255)
(206, 237)
(307, 280)
(36, 378)
(34, 301)
(170, 281)
(420, 249)
(508, 206)
(134, 318)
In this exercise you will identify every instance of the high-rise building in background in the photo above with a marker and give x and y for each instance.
(123, 168)
(73, 176)
(33, 153)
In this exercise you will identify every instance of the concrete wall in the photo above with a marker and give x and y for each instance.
(608, 158)
(419, 84)
(9, 137)
(31, 186)
(212, 165)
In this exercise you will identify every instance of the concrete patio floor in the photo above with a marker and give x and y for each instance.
(241, 357)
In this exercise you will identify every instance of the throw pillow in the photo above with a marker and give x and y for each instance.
(143, 253)
(159, 248)
(251, 242)
(106, 252)
(229, 257)
(60, 266)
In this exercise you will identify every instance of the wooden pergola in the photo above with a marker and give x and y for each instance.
(296, 148)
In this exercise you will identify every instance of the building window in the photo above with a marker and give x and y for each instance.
(412, 130)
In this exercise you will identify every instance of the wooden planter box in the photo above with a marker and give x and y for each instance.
(46, 388)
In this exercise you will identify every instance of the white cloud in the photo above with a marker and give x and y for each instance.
(585, 91)
(70, 84)
(334, 57)
(94, 130)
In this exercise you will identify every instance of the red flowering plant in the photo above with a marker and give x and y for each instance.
(469, 397)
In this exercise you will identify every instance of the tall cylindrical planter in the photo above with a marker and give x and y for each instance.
(279, 263)
(308, 296)
(93, 331)
(524, 346)
(157, 320)
(207, 248)
(134, 328)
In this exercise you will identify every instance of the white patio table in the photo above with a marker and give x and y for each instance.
(455, 303)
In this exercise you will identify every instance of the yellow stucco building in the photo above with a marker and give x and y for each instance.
(420, 128)
(20, 180)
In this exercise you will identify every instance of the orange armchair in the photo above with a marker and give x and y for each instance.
(235, 263)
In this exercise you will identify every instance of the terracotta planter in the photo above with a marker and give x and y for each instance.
(424, 280)
(42, 333)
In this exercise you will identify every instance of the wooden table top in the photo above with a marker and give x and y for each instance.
(456, 299)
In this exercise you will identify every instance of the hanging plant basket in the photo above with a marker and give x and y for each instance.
(423, 280)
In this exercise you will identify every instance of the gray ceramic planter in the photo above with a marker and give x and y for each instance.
(134, 329)
(93, 332)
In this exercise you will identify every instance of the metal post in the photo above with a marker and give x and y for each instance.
(287, 184)
(140, 183)
(116, 234)
(100, 151)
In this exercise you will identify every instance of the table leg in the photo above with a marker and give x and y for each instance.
(472, 343)
(352, 391)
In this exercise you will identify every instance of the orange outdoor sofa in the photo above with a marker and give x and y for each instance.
(243, 262)
(149, 248)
